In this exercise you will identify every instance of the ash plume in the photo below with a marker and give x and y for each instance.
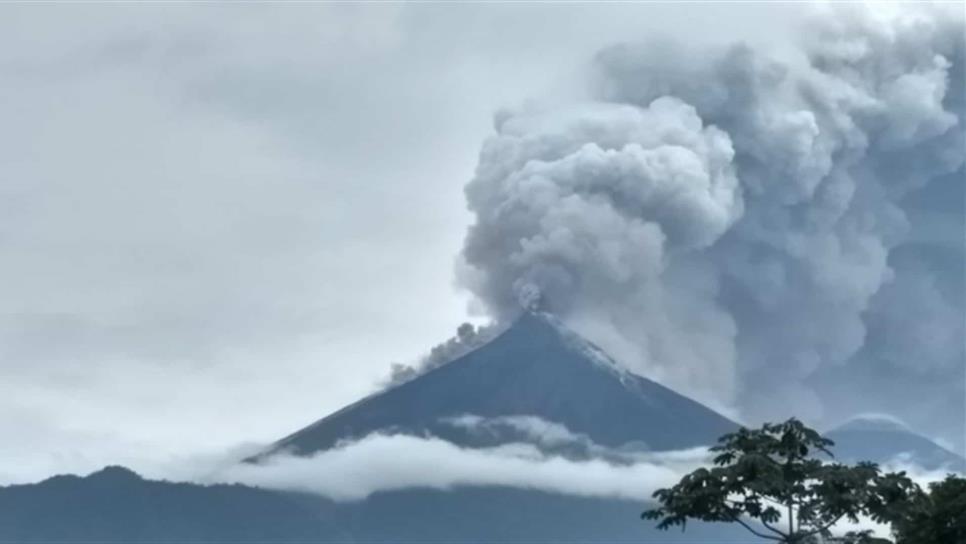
(468, 338)
(734, 222)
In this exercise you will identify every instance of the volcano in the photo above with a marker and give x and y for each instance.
(535, 368)
(534, 371)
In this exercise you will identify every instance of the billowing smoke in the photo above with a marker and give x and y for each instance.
(468, 338)
(728, 221)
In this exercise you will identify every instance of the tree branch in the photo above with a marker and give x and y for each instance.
(756, 533)
(763, 522)
(773, 529)
(823, 528)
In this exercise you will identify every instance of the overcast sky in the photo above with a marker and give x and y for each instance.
(219, 223)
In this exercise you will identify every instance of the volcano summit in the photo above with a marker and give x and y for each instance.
(535, 368)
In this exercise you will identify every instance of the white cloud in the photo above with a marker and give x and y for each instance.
(384, 462)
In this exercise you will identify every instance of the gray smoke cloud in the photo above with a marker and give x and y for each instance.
(468, 337)
(730, 222)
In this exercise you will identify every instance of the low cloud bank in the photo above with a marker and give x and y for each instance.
(390, 461)
(555, 437)
(536, 430)
(387, 462)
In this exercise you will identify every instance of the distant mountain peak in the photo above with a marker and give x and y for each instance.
(115, 474)
(883, 438)
(873, 422)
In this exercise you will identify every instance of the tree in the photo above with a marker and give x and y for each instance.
(937, 517)
(763, 475)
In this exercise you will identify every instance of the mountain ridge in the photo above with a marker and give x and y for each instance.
(68, 509)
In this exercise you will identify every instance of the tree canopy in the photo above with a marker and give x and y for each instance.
(936, 517)
(775, 483)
